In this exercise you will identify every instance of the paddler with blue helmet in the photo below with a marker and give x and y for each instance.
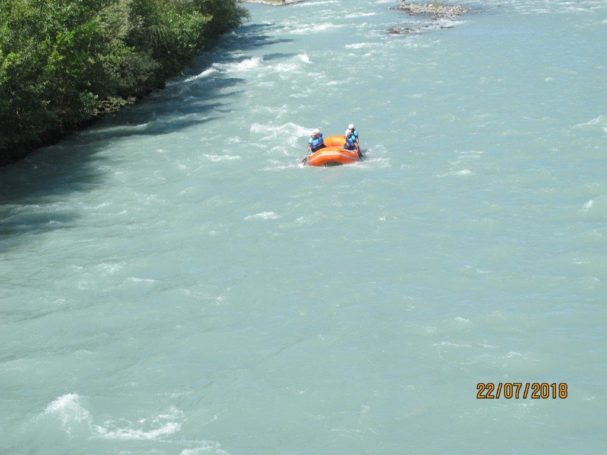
(316, 141)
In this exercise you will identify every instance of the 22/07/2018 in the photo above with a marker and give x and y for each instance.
(510, 390)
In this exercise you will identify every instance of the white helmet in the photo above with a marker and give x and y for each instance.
(351, 126)
(315, 132)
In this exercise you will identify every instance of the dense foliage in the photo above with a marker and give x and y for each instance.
(63, 62)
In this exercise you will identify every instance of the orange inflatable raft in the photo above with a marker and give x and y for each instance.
(333, 154)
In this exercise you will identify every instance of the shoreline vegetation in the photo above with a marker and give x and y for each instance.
(64, 64)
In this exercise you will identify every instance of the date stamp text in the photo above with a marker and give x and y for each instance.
(521, 390)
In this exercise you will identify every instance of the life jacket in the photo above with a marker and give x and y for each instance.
(355, 134)
(316, 142)
(350, 142)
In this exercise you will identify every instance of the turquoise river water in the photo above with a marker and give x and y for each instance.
(173, 282)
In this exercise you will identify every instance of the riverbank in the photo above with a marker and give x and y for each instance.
(71, 64)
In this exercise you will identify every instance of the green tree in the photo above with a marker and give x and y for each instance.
(64, 61)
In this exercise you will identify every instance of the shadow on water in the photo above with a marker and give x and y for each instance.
(278, 56)
(251, 36)
(33, 191)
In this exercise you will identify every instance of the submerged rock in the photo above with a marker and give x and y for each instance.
(434, 9)
(408, 30)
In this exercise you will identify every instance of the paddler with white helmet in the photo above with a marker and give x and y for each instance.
(316, 141)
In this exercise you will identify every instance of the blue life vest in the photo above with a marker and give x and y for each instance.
(350, 142)
(355, 134)
(316, 143)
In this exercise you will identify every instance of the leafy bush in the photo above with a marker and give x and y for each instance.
(64, 61)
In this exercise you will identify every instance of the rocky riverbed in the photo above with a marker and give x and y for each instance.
(435, 10)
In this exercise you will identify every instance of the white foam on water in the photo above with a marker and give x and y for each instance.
(275, 111)
(245, 65)
(278, 150)
(132, 434)
(314, 28)
(599, 120)
(87, 206)
(281, 167)
(315, 4)
(573, 9)
(285, 68)
(450, 344)
(207, 448)
(287, 133)
(110, 268)
(115, 129)
(462, 320)
(70, 412)
(513, 354)
(470, 154)
(448, 23)
(376, 162)
(218, 158)
(304, 58)
(459, 173)
(266, 84)
(134, 279)
(145, 429)
(360, 45)
(355, 15)
(596, 207)
(263, 216)
(202, 75)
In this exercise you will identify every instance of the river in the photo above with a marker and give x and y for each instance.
(172, 281)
